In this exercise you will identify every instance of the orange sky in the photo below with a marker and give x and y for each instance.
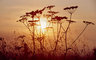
(10, 10)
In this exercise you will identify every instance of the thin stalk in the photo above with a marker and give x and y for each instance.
(40, 37)
(62, 28)
(66, 31)
(79, 35)
(63, 32)
(33, 39)
(53, 31)
(41, 46)
(48, 25)
(52, 25)
(27, 27)
(57, 38)
(59, 31)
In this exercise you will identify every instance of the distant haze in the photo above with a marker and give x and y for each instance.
(11, 10)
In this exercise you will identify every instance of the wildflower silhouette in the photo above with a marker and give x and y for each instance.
(52, 13)
(56, 23)
(50, 7)
(58, 19)
(87, 23)
(31, 23)
(70, 10)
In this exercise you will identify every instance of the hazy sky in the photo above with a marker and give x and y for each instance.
(10, 10)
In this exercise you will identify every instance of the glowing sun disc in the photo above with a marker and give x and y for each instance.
(43, 23)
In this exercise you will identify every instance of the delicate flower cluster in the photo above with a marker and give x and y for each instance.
(87, 22)
(50, 7)
(34, 13)
(71, 9)
(58, 18)
(52, 12)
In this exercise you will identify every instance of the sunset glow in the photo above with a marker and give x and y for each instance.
(43, 22)
(47, 30)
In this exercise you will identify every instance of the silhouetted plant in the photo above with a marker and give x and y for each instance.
(58, 19)
(70, 10)
(3, 48)
(94, 51)
(40, 39)
(1, 38)
(52, 20)
(87, 23)
(32, 23)
(50, 7)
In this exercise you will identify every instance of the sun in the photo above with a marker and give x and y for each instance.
(43, 23)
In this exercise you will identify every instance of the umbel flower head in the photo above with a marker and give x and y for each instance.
(58, 18)
(22, 20)
(34, 13)
(50, 7)
(52, 12)
(87, 22)
(71, 9)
